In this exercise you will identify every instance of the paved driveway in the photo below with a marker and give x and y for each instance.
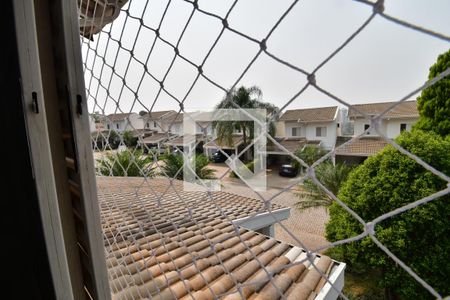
(307, 227)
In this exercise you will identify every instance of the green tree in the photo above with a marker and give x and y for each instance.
(420, 237)
(172, 163)
(126, 163)
(245, 98)
(331, 176)
(434, 101)
(309, 154)
(129, 140)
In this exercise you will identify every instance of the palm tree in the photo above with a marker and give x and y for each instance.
(126, 163)
(331, 176)
(244, 98)
(173, 164)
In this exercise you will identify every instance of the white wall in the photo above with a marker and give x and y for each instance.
(359, 127)
(389, 127)
(133, 122)
(308, 131)
(329, 140)
(393, 126)
(301, 129)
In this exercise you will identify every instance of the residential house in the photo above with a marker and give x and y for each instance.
(310, 124)
(123, 122)
(400, 118)
(157, 120)
(391, 124)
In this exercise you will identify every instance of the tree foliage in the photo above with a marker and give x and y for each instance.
(172, 167)
(309, 154)
(420, 237)
(245, 98)
(331, 176)
(434, 101)
(129, 139)
(126, 163)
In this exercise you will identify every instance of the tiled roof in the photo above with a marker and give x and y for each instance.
(174, 118)
(404, 109)
(118, 117)
(179, 141)
(364, 146)
(185, 246)
(156, 138)
(236, 140)
(320, 114)
(292, 144)
(156, 115)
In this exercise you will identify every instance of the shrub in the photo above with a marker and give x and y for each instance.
(173, 163)
(249, 165)
(331, 176)
(420, 237)
(126, 163)
(309, 154)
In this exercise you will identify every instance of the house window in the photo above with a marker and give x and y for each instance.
(107, 126)
(117, 125)
(402, 127)
(147, 125)
(154, 124)
(321, 131)
(294, 131)
(366, 126)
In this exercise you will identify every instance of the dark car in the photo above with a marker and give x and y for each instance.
(218, 157)
(288, 170)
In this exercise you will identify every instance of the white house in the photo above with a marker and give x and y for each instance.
(158, 120)
(400, 118)
(123, 122)
(313, 124)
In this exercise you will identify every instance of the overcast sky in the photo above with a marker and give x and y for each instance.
(383, 63)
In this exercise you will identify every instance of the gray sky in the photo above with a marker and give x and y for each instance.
(383, 63)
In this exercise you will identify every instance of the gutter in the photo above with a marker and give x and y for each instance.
(264, 219)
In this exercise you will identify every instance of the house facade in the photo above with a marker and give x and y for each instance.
(158, 120)
(312, 124)
(123, 122)
(400, 118)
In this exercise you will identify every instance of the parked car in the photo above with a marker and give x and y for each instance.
(218, 157)
(288, 170)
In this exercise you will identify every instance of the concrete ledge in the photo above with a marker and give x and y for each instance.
(337, 279)
(264, 219)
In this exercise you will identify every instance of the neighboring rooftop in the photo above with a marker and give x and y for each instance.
(320, 114)
(118, 117)
(184, 140)
(184, 245)
(363, 146)
(292, 144)
(236, 140)
(157, 115)
(157, 137)
(405, 109)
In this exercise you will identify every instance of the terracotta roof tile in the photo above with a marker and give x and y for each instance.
(320, 114)
(118, 117)
(403, 109)
(158, 115)
(191, 249)
(363, 146)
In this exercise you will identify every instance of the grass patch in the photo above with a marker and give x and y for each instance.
(359, 285)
